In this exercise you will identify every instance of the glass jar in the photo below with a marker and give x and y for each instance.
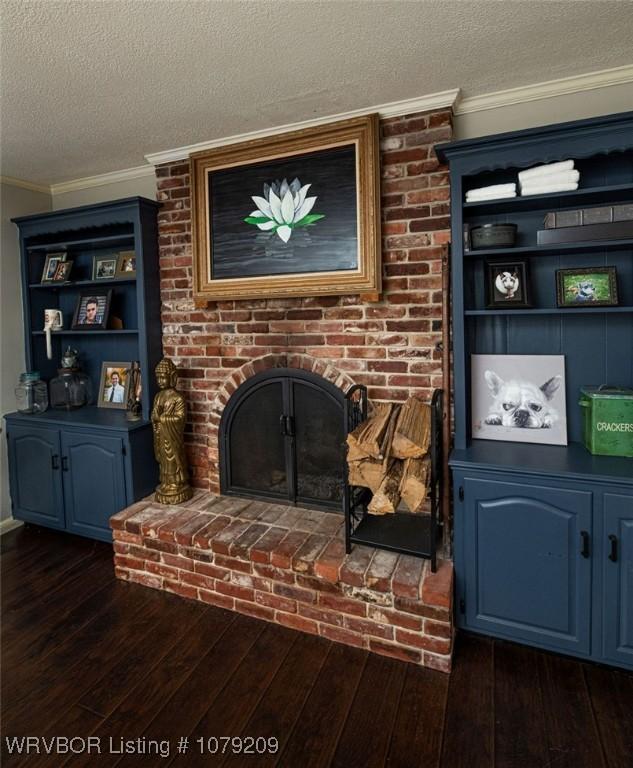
(70, 389)
(31, 393)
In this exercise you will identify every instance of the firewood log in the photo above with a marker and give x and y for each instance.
(387, 497)
(354, 453)
(368, 473)
(415, 482)
(368, 436)
(413, 430)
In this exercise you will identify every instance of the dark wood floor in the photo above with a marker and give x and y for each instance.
(85, 655)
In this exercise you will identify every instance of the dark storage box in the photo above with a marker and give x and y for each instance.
(614, 230)
(603, 214)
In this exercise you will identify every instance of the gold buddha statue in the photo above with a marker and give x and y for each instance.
(168, 421)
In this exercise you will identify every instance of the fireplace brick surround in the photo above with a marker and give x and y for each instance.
(391, 345)
(280, 563)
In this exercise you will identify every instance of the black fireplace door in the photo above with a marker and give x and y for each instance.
(282, 438)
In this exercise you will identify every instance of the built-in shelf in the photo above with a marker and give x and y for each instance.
(556, 200)
(108, 241)
(69, 332)
(572, 460)
(83, 283)
(545, 250)
(547, 311)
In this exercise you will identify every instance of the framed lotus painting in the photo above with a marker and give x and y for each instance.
(296, 214)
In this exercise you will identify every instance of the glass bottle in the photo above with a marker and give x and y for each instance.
(31, 393)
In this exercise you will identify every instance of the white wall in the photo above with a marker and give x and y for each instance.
(144, 186)
(558, 109)
(14, 201)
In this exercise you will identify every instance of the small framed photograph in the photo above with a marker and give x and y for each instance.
(587, 287)
(104, 267)
(507, 284)
(126, 264)
(114, 385)
(91, 311)
(53, 260)
(62, 273)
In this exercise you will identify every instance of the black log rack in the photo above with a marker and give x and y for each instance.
(410, 534)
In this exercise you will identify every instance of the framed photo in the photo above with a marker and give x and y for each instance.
(519, 398)
(126, 264)
(587, 287)
(296, 214)
(92, 310)
(62, 273)
(104, 267)
(53, 260)
(507, 284)
(114, 385)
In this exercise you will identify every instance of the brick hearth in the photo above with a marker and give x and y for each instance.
(288, 565)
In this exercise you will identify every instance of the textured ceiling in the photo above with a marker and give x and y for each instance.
(91, 86)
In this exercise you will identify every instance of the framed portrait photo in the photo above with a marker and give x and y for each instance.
(92, 310)
(53, 260)
(114, 385)
(507, 284)
(296, 214)
(62, 273)
(126, 265)
(104, 267)
(587, 287)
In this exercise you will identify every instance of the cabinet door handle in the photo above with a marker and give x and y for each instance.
(613, 555)
(584, 535)
(55, 461)
(64, 463)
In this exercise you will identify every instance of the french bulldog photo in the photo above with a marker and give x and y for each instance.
(521, 403)
(519, 398)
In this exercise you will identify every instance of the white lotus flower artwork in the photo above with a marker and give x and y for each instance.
(283, 208)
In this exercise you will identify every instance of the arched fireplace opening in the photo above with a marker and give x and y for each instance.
(282, 438)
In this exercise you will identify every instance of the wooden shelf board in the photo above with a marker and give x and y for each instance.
(69, 332)
(96, 242)
(605, 194)
(548, 311)
(83, 283)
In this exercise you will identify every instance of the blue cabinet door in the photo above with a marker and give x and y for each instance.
(34, 475)
(94, 482)
(527, 551)
(618, 579)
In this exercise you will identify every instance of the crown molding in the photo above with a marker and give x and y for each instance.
(548, 90)
(43, 188)
(102, 179)
(433, 101)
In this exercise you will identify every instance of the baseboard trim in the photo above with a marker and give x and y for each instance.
(9, 524)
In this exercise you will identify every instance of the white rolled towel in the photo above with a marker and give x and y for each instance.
(545, 170)
(547, 189)
(493, 189)
(555, 179)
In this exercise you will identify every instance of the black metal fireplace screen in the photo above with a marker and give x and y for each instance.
(282, 437)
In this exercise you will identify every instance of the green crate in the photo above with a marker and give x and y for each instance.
(607, 427)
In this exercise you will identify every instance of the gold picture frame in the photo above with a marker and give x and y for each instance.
(285, 248)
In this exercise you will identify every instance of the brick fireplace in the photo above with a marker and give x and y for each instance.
(286, 564)
(390, 346)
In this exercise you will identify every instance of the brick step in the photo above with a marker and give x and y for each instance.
(288, 565)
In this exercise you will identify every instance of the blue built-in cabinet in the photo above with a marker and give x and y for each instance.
(74, 470)
(543, 535)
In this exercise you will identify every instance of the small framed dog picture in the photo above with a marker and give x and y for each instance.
(519, 398)
(507, 284)
(587, 287)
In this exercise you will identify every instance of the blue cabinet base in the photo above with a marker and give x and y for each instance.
(545, 559)
(73, 474)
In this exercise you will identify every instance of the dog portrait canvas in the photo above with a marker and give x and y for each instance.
(519, 398)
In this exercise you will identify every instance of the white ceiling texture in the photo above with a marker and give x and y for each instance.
(91, 86)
